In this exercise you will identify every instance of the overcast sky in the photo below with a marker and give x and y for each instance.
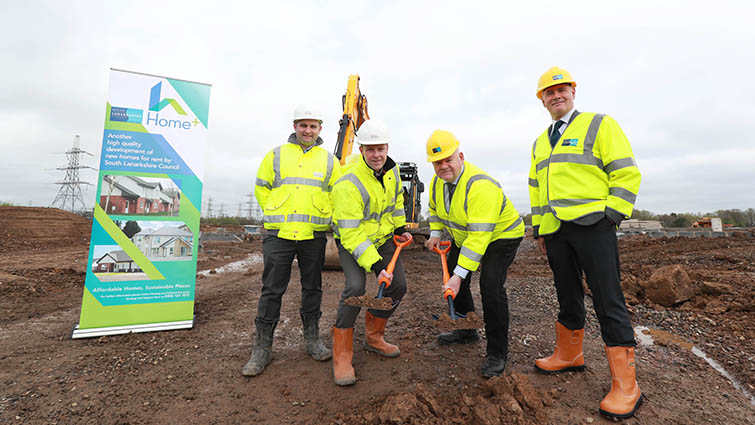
(677, 76)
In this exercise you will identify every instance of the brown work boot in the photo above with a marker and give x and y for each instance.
(568, 352)
(343, 352)
(374, 327)
(625, 396)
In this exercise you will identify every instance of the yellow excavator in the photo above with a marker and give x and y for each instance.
(354, 115)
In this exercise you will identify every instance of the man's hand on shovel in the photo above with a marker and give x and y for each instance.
(454, 283)
(385, 276)
(404, 237)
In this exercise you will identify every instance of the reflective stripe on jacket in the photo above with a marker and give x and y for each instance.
(293, 188)
(590, 171)
(479, 214)
(366, 212)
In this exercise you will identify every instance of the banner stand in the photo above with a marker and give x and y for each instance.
(120, 330)
(142, 264)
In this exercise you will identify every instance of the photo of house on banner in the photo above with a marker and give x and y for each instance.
(112, 264)
(164, 240)
(132, 195)
(158, 241)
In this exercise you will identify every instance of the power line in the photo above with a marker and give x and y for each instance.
(70, 194)
(253, 207)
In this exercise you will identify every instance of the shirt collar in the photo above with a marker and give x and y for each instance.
(566, 118)
(455, 182)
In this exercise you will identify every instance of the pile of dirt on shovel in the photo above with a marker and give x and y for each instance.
(508, 399)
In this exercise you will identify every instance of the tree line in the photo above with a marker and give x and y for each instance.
(733, 217)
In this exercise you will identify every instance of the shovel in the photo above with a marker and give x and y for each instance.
(453, 320)
(379, 302)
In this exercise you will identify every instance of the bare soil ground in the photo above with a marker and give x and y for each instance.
(194, 376)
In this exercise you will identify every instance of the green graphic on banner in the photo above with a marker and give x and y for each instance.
(141, 272)
(122, 241)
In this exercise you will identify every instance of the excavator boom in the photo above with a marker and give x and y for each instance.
(354, 114)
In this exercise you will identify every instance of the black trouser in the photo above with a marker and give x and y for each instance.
(356, 279)
(595, 250)
(278, 255)
(495, 303)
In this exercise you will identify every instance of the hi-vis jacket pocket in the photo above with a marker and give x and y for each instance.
(321, 202)
(277, 200)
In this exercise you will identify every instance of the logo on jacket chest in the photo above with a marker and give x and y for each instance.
(570, 142)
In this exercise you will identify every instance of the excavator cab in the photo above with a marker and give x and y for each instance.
(413, 188)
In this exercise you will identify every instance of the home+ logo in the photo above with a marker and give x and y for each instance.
(155, 104)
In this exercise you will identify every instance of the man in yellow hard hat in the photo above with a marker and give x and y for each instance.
(583, 182)
(486, 231)
(293, 187)
(368, 212)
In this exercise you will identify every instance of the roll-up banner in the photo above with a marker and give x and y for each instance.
(141, 271)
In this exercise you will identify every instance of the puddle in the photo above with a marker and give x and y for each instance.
(236, 266)
(645, 338)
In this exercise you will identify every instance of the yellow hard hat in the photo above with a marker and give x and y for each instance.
(552, 77)
(440, 145)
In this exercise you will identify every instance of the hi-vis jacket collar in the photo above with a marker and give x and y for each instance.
(292, 139)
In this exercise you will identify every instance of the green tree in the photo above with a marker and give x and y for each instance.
(644, 215)
(734, 217)
(750, 217)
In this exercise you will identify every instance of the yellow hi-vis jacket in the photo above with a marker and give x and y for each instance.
(478, 214)
(366, 212)
(590, 173)
(293, 188)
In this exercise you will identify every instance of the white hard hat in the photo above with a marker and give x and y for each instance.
(307, 112)
(373, 132)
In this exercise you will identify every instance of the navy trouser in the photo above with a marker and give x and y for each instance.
(278, 255)
(356, 279)
(593, 249)
(494, 268)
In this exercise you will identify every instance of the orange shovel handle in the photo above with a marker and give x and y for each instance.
(449, 293)
(392, 264)
(446, 276)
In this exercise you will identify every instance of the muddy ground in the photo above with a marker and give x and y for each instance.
(193, 376)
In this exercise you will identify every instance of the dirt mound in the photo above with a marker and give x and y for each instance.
(153, 377)
(720, 272)
(38, 228)
(509, 399)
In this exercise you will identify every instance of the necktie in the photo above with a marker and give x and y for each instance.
(450, 187)
(555, 134)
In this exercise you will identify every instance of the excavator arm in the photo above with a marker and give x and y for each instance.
(354, 114)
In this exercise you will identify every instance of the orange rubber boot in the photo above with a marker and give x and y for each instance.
(375, 330)
(343, 352)
(625, 396)
(568, 352)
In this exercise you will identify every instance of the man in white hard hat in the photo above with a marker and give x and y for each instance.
(583, 182)
(368, 212)
(293, 188)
